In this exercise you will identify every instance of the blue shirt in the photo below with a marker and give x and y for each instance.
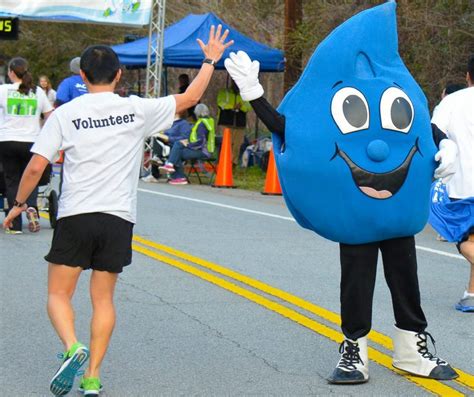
(70, 88)
(178, 131)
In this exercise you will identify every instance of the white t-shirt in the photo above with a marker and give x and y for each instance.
(455, 117)
(102, 136)
(51, 95)
(21, 113)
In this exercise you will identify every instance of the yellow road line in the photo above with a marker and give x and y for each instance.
(379, 357)
(464, 379)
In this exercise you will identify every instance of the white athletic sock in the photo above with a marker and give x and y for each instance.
(468, 295)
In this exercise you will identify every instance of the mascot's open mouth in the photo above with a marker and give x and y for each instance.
(379, 186)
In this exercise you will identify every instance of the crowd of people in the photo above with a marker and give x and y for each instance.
(96, 217)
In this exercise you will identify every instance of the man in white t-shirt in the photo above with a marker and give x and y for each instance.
(102, 136)
(455, 117)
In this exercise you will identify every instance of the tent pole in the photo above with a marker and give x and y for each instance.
(155, 50)
(154, 67)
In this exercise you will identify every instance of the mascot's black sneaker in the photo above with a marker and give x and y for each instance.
(353, 367)
(74, 359)
(411, 354)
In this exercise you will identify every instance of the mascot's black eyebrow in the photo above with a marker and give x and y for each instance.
(337, 83)
(398, 85)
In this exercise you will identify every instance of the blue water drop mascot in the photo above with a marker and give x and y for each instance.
(355, 153)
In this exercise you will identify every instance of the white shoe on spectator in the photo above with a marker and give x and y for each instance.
(150, 179)
(155, 160)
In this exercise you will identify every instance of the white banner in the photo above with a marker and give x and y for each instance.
(117, 12)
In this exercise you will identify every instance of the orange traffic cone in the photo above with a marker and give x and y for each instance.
(224, 176)
(272, 184)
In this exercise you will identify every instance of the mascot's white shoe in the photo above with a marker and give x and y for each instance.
(353, 367)
(411, 354)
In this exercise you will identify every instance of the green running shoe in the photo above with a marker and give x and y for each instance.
(74, 359)
(90, 386)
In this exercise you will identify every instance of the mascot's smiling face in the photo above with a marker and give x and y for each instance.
(357, 160)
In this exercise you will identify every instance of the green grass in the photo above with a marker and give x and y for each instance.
(252, 178)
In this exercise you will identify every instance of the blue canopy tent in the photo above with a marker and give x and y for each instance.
(181, 49)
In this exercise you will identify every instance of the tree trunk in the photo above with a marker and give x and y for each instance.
(293, 17)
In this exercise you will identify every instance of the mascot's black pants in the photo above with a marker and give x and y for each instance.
(358, 270)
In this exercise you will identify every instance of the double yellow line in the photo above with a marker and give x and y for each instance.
(194, 265)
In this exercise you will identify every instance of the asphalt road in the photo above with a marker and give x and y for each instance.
(226, 296)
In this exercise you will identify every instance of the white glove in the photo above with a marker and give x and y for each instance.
(245, 74)
(446, 156)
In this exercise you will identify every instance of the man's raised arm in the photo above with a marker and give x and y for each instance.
(213, 51)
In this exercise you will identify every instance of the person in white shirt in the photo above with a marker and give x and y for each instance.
(22, 104)
(45, 84)
(102, 135)
(455, 117)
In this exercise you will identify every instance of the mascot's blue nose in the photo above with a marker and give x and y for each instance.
(378, 150)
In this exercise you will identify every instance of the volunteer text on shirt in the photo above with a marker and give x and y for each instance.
(99, 123)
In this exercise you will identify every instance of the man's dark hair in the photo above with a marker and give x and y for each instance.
(453, 87)
(470, 68)
(100, 64)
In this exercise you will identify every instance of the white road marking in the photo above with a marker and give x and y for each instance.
(286, 218)
(231, 207)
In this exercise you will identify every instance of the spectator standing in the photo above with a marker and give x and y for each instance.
(232, 113)
(97, 206)
(46, 86)
(455, 117)
(22, 104)
(71, 87)
(183, 84)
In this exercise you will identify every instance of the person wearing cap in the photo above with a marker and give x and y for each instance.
(71, 87)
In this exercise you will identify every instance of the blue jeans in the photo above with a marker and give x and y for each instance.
(179, 153)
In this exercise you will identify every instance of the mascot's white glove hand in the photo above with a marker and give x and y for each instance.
(245, 74)
(446, 156)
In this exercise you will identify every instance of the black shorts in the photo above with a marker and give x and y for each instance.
(464, 238)
(95, 241)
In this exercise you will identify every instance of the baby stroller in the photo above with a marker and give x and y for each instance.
(47, 196)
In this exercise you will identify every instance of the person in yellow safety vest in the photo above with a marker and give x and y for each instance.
(203, 126)
(232, 113)
(199, 145)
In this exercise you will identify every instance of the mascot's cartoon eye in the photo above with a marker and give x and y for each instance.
(396, 110)
(350, 110)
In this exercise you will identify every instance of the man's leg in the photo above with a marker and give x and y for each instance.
(237, 138)
(102, 289)
(466, 248)
(62, 282)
